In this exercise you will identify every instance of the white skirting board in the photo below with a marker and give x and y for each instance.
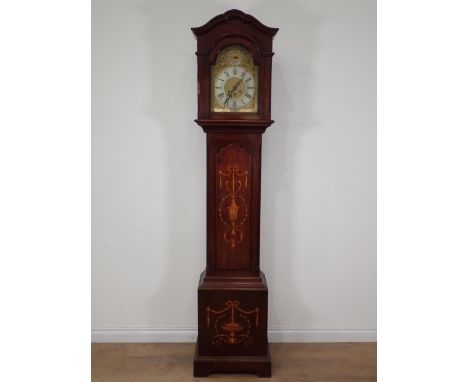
(129, 335)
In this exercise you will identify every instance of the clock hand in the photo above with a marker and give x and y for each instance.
(236, 85)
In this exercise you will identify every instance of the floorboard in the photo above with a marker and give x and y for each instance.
(325, 362)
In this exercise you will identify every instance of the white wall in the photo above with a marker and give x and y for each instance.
(318, 233)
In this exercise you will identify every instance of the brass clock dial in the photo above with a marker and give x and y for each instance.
(234, 82)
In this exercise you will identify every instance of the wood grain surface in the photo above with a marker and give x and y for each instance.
(326, 362)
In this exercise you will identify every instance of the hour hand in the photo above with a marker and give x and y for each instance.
(234, 88)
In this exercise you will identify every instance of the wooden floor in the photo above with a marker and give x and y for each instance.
(330, 362)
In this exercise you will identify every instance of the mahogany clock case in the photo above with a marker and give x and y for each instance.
(232, 292)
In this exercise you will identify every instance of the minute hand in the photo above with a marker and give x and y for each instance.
(236, 85)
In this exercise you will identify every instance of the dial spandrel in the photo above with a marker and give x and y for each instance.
(234, 81)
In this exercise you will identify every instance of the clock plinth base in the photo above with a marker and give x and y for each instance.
(203, 366)
(232, 325)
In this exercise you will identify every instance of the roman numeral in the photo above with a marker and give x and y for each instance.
(220, 95)
(234, 104)
(218, 87)
(248, 95)
(250, 87)
(243, 74)
(234, 71)
(226, 73)
(248, 79)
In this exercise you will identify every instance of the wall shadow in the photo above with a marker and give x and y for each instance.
(294, 117)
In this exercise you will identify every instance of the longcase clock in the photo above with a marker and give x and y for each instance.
(234, 54)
